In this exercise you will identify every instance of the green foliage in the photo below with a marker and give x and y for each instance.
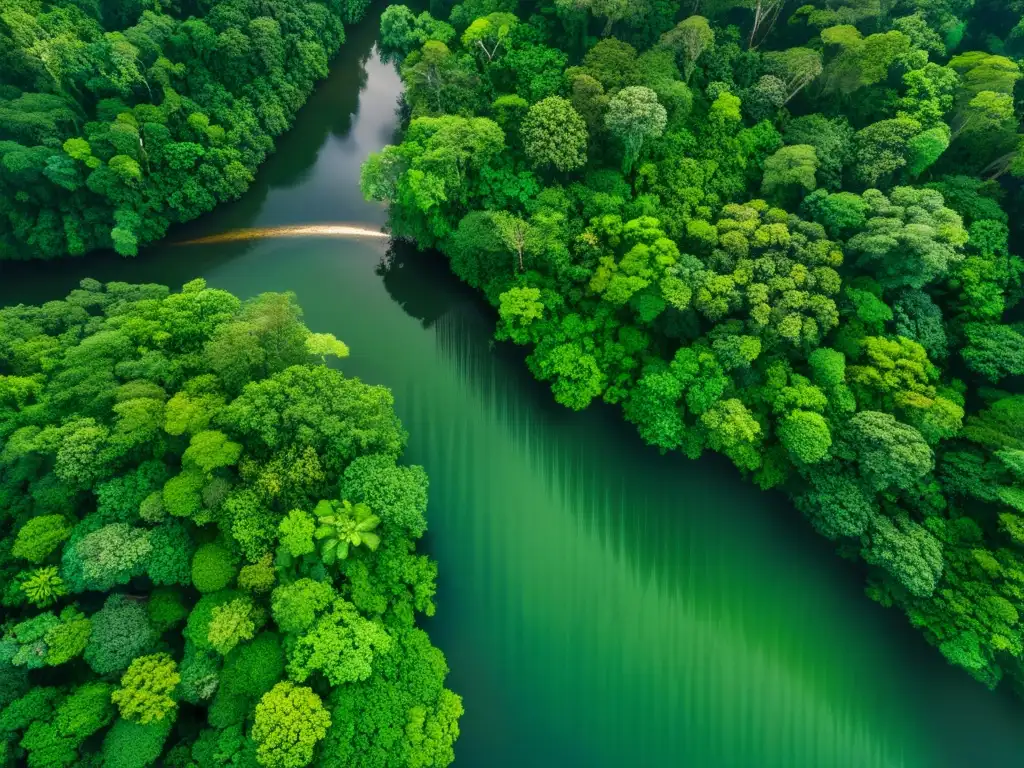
(120, 631)
(806, 436)
(908, 551)
(297, 533)
(289, 722)
(340, 644)
(993, 351)
(554, 134)
(295, 605)
(115, 125)
(178, 453)
(232, 623)
(213, 568)
(144, 695)
(39, 537)
(341, 526)
(913, 223)
(86, 710)
(133, 745)
(111, 555)
(888, 453)
(172, 549)
(42, 587)
(46, 640)
(165, 609)
(635, 116)
(843, 355)
(211, 450)
(792, 166)
(398, 494)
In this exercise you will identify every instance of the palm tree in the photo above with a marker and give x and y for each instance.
(341, 525)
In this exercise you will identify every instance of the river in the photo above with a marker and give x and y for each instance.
(601, 606)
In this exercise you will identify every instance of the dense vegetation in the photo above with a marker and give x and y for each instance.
(208, 547)
(119, 118)
(776, 231)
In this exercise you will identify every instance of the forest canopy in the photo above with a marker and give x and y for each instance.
(119, 118)
(781, 232)
(208, 543)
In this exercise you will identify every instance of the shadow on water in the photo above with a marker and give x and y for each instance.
(758, 605)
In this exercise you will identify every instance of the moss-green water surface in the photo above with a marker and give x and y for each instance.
(601, 605)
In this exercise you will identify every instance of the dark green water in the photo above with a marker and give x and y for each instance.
(601, 606)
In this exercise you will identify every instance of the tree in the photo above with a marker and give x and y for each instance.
(614, 64)
(231, 623)
(554, 134)
(110, 555)
(519, 308)
(134, 745)
(796, 67)
(401, 31)
(925, 148)
(146, 688)
(297, 531)
(734, 431)
(197, 425)
(339, 644)
(296, 605)
(397, 494)
(838, 504)
(213, 568)
(790, 166)
(634, 116)
(883, 148)
(45, 640)
(889, 454)
(324, 344)
(514, 233)
(289, 722)
(914, 223)
(806, 435)
(908, 551)
(42, 587)
(489, 34)
(765, 98)
(994, 350)
(688, 40)
(832, 141)
(344, 525)
(210, 450)
(120, 631)
(929, 94)
(40, 536)
(765, 14)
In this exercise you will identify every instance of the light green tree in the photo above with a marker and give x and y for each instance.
(289, 722)
(146, 688)
(635, 116)
(554, 135)
(343, 525)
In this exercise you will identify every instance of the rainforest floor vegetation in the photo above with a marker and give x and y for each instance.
(208, 544)
(776, 231)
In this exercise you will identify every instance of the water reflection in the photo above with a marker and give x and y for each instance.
(421, 283)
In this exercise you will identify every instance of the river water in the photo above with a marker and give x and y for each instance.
(601, 606)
